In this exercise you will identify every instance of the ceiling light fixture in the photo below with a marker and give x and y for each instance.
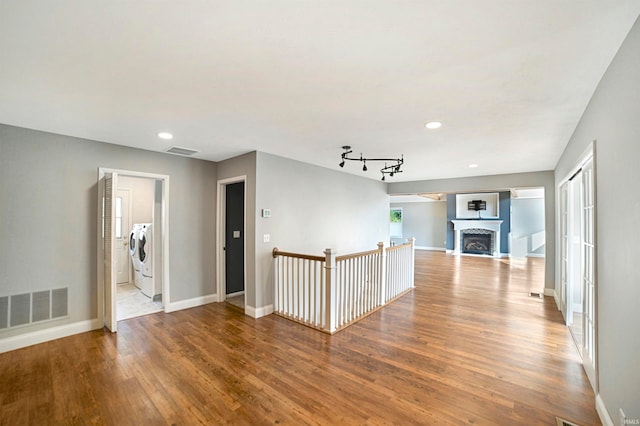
(390, 170)
(165, 135)
(473, 166)
(432, 125)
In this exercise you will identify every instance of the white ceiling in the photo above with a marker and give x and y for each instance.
(508, 78)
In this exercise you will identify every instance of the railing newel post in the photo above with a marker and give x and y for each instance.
(330, 294)
(382, 269)
(412, 240)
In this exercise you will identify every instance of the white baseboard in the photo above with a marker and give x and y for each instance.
(48, 334)
(258, 312)
(603, 413)
(190, 303)
(237, 293)
(535, 255)
(550, 292)
(430, 248)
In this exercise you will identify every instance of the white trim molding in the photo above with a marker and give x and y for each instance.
(430, 248)
(258, 312)
(41, 336)
(190, 303)
(603, 413)
(539, 255)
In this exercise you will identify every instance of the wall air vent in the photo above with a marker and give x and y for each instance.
(28, 308)
(181, 151)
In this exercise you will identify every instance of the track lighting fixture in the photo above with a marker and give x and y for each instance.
(386, 170)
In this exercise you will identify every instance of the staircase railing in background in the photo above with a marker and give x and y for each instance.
(332, 292)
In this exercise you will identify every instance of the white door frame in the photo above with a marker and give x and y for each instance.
(162, 260)
(221, 287)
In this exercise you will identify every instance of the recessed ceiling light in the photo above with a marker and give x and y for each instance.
(165, 135)
(473, 166)
(433, 125)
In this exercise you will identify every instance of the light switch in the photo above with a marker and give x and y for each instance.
(266, 212)
(236, 234)
(266, 238)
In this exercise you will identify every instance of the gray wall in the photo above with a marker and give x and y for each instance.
(611, 118)
(495, 183)
(527, 219)
(426, 222)
(48, 217)
(313, 208)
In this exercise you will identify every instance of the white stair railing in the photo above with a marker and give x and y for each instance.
(331, 292)
(400, 270)
(300, 288)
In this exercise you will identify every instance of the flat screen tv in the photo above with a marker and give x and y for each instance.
(476, 205)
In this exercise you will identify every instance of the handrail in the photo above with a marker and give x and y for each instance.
(398, 246)
(277, 253)
(331, 292)
(354, 255)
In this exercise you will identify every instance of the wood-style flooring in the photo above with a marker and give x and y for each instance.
(467, 346)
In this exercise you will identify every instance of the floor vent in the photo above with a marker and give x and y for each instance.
(534, 294)
(27, 308)
(181, 151)
(563, 422)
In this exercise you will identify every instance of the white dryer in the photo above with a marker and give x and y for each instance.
(145, 254)
(133, 253)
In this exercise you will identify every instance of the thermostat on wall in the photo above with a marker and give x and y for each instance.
(266, 212)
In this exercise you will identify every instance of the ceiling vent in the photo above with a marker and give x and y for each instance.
(181, 151)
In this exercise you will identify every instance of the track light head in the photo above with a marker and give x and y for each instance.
(383, 178)
(391, 174)
(341, 164)
(364, 168)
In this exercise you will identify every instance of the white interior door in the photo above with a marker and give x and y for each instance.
(564, 246)
(121, 236)
(110, 183)
(589, 287)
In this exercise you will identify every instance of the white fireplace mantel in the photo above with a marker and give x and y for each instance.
(489, 225)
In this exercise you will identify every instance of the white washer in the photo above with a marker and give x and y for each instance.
(133, 253)
(145, 254)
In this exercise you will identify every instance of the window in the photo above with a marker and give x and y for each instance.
(395, 222)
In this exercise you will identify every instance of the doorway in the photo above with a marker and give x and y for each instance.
(139, 293)
(114, 235)
(232, 241)
(578, 289)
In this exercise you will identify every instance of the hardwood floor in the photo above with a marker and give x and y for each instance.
(467, 346)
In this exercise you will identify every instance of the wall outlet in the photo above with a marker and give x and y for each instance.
(266, 238)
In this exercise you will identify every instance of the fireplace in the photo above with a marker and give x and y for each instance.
(477, 241)
(477, 237)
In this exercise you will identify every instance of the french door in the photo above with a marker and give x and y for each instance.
(578, 286)
(588, 257)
